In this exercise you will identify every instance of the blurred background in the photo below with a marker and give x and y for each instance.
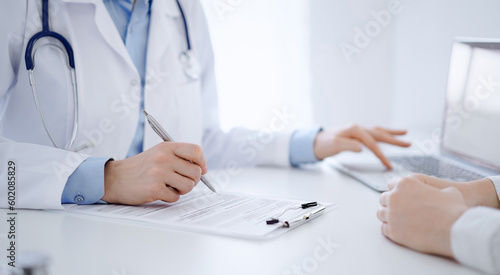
(332, 62)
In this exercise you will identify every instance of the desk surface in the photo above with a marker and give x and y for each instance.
(89, 245)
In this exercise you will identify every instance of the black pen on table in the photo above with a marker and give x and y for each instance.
(164, 135)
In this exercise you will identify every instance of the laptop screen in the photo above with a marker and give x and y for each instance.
(471, 129)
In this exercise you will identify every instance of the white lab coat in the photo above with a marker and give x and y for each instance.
(109, 89)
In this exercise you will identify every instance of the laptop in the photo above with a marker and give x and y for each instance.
(469, 138)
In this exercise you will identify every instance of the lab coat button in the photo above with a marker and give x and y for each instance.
(133, 82)
(79, 199)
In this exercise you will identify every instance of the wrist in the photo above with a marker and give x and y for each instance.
(109, 179)
(479, 193)
(321, 142)
(486, 194)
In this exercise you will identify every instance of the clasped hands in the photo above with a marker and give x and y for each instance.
(419, 211)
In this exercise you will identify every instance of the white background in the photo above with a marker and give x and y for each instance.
(275, 53)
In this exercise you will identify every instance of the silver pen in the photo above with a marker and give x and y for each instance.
(164, 135)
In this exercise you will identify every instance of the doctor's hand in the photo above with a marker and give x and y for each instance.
(331, 142)
(160, 173)
(476, 193)
(420, 216)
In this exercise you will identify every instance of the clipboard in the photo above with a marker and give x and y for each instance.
(226, 213)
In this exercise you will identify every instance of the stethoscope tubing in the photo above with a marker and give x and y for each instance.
(30, 66)
(186, 30)
(191, 68)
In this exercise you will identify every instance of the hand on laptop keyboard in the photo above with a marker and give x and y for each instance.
(351, 138)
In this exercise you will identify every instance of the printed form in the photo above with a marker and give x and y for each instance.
(230, 214)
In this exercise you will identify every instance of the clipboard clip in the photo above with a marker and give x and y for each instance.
(299, 220)
(304, 218)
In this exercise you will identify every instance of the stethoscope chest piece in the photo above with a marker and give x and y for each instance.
(191, 65)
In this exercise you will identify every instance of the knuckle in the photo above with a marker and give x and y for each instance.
(354, 126)
(389, 216)
(155, 191)
(390, 231)
(379, 214)
(198, 172)
(174, 197)
(382, 198)
(197, 150)
(394, 182)
(189, 187)
(195, 172)
(405, 182)
(167, 146)
(164, 145)
(183, 191)
(392, 198)
(389, 198)
(386, 230)
(395, 234)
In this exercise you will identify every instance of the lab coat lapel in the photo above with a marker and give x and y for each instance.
(160, 34)
(107, 28)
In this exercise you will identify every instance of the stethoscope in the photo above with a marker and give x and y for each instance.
(189, 61)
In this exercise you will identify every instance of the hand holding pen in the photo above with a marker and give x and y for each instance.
(163, 172)
(166, 137)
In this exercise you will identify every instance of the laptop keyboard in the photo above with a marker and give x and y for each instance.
(434, 167)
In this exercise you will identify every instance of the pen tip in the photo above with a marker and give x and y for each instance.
(144, 112)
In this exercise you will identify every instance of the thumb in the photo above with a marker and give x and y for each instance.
(392, 183)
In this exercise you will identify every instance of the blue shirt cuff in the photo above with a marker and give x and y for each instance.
(302, 146)
(86, 184)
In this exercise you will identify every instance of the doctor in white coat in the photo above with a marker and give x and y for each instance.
(126, 57)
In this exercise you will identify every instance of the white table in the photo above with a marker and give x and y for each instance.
(88, 245)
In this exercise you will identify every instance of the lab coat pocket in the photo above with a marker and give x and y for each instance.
(189, 106)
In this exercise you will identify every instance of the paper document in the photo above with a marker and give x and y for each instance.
(229, 214)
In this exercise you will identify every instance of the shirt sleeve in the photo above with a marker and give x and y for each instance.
(496, 182)
(475, 239)
(86, 184)
(302, 146)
